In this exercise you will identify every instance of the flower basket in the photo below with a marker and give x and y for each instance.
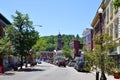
(116, 73)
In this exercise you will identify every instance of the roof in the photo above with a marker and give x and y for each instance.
(4, 19)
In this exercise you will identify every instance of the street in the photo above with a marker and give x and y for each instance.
(46, 71)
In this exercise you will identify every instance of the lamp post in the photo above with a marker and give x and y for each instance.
(102, 65)
(38, 25)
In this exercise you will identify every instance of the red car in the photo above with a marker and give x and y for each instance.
(62, 63)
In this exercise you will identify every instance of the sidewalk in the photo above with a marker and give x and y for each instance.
(109, 77)
(11, 72)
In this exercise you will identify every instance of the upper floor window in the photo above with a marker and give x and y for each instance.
(111, 10)
(106, 2)
(111, 30)
(107, 14)
(107, 30)
(116, 29)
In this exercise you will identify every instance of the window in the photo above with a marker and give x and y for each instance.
(111, 10)
(116, 29)
(107, 30)
(111, 30)
(107, 15)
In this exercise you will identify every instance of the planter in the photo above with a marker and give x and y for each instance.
(1, 69)
(116, 72)
(117, 75)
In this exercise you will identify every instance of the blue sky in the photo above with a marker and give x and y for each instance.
(64, 16)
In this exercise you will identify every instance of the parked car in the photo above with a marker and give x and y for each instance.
(79, 65)
(39, 61)
(55, 62)
(71, 63)
(61, 63)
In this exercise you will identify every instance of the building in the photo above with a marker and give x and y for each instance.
(59, 42)
(46, 55)
(96, 22)
(3, 23)
(58, 52)
(110, 25)
(75, 45)
(87, 38)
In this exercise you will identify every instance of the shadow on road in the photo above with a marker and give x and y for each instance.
(30, 70)
(9, 73)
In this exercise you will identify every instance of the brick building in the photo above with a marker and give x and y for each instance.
(46, 55)
(75, 45)
(87, 38)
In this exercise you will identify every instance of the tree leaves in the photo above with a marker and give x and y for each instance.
(99, 56)
(116, 4)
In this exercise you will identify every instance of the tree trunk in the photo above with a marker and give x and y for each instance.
(21, 62)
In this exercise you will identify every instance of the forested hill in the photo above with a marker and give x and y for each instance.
(49, 43)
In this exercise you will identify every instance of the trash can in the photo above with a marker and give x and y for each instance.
(1, 70)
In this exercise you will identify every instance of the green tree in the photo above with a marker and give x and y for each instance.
(5, 46)
(77, 37)
(27, 35)
(50, 43)
(116, 3)
(108, 45)
(13, 35)
(99, 56)
(40, 45)
(67, 52)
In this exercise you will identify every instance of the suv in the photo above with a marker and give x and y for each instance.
(61, 63)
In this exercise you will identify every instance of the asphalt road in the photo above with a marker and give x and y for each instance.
(46, 71)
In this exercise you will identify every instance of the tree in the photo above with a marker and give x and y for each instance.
(40, 45)
(67, 52)
(13, 35)
(99, 55)
(108, 45)
(49, 43)
(77, 37)
(116, 4)
(27, 36)
(6, 48)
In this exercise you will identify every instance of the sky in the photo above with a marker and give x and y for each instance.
(70, 17)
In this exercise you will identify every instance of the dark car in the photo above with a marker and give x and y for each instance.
(39, 61)
(61, 63)
(71, 63)
(79, 65)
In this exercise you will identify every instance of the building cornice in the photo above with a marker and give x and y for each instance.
(4, 19)
(96, 15)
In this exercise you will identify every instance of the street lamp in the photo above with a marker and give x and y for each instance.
(100, 12)
(103, 77)
(38, 25)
